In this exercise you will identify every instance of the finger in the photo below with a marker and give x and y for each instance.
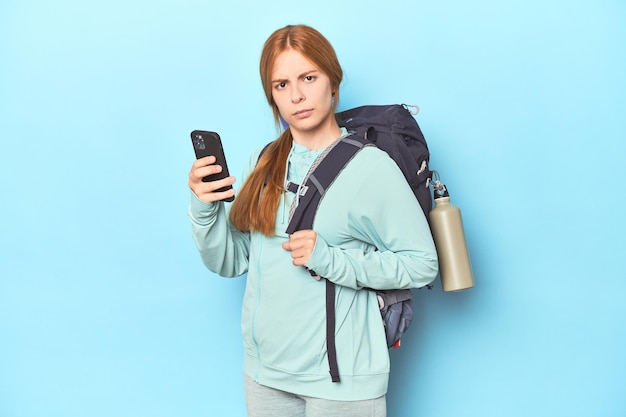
(293, 244)
(302, 234)
(205, 171)
(207, 160)
(289, 246)
(300, 261)
(207, 191)
(223, 183)
(296, 259)
(217, 184)
(196, 176)
(304, 252)
(215, 196)
(198, 172)
(222, 195)
(306, 241)
(296, 246)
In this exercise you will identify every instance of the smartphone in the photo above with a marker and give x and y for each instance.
(207, 143)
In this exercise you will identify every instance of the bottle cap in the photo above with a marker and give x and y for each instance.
(440, 191)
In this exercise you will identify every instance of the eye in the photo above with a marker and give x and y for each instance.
(280, 85)
(309, 78)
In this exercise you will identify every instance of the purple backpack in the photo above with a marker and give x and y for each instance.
(393, 129)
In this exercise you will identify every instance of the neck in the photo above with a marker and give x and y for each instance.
(318, 138)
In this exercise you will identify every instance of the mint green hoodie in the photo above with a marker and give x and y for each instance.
(371, 232)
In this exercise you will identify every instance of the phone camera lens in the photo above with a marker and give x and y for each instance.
(198, 142)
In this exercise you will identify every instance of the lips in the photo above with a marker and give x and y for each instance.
(301, 114)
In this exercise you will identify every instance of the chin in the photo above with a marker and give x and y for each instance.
(313, 122)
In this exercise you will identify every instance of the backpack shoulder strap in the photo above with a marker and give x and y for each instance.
(315, 186)
(320, 178)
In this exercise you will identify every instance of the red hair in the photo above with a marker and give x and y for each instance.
(255, 207)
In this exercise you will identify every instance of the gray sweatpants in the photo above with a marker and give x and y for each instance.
(262, 401)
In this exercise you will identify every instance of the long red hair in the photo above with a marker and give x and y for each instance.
(255, 207)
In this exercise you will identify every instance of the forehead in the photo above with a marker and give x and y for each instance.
(291, 63)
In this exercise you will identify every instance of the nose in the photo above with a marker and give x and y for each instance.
(297, 96)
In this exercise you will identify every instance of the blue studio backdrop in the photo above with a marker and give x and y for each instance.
(105, 307)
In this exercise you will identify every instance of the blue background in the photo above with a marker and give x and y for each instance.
(105, 307)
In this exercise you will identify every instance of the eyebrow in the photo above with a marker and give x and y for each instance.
(304, 74)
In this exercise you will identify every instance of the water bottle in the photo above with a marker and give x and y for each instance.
(446, 224)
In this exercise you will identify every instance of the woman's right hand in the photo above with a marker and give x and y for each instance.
(206, 191)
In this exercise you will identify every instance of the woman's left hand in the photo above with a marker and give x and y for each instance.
(301, 244)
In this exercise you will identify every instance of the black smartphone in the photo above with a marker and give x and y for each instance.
(207, 143)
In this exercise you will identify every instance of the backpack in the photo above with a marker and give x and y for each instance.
(393, 129)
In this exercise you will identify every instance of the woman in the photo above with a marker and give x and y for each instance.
(369, 232)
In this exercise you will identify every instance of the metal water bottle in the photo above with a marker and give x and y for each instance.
(446, 224)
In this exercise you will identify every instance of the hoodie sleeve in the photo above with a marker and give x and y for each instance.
(223, 249)
(390, 244)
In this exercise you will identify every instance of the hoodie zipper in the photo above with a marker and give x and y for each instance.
(261, 240)
(256, 308)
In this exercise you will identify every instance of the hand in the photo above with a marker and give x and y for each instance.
(301, 244)
(205, 191)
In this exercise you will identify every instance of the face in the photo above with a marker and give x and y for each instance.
(303, 94)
